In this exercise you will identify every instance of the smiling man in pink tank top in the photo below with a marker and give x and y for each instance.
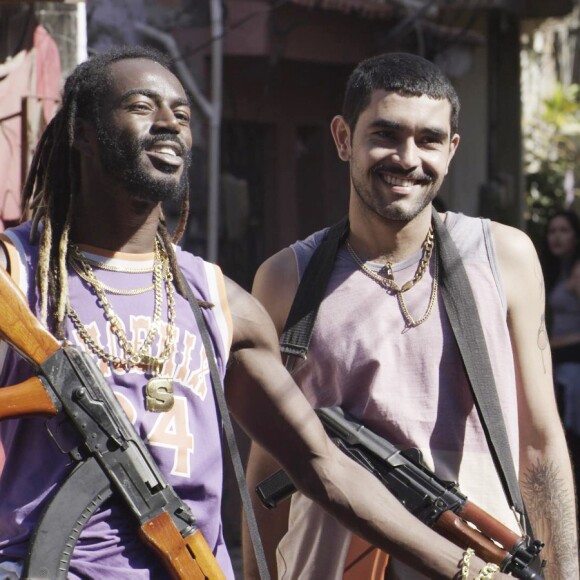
(382, 346)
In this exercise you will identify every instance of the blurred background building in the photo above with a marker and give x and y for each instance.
(267, 76)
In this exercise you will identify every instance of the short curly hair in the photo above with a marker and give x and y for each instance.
(398, 72)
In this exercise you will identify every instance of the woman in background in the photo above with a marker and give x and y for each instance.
(562, 275)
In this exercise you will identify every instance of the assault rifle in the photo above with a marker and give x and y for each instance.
(436, 502)
(110, 455)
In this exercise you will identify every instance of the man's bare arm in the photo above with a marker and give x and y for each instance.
(273, 411)
(275, 286)
(545, 471)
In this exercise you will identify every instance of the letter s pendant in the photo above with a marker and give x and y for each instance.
(159, 394)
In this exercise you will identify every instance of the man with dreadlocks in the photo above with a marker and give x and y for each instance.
(100, 270)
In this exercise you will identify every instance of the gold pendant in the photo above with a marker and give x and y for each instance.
(159, 394)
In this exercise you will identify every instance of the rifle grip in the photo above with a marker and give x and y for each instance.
(27, 398)
(454, 528)
(187, 558)
(19, 327)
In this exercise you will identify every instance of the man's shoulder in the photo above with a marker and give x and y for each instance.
(191, 264)
(18, 235)
(503, 232)
(19, 252)
(507, 242)
(303, 249)
(311, 241)
(205, 278)
(511, 241)
(457, 221)
(290, 261)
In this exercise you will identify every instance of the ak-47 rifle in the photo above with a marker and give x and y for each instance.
(111, 456)
(436, 502)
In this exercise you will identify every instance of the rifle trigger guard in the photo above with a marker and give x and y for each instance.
(60, 524)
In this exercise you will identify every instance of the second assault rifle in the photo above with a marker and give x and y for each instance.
(436, 502)
(110, 456)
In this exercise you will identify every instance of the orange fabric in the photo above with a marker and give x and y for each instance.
(364, 562)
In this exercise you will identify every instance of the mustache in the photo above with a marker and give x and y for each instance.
(415, 175)
(150, 141)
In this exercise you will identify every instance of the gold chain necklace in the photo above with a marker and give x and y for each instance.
(389, 283)
(159, 390)
(76, 266)
(105, 266)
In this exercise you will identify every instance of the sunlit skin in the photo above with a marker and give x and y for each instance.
(147, 108)
(399, 154)
(561, 237)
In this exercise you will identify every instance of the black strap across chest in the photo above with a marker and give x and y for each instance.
(459, 305)
(297, 334)
(228, 429)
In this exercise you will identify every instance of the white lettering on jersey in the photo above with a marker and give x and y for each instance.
(171, 431)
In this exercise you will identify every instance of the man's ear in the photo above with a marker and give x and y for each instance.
(342, 138)
(85, 136)
(453, 144)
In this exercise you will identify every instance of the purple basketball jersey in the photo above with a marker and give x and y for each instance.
(184, 441)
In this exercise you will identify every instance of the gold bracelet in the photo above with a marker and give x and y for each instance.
(464, 564)
(487, 572)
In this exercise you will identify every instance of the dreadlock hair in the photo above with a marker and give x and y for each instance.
(54, 178)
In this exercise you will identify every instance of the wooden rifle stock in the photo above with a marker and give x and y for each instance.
(27, 398)
(185, 558)
(19, 327)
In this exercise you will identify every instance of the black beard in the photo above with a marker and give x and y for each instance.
(121, 156)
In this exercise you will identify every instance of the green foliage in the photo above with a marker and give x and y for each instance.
(551, 144)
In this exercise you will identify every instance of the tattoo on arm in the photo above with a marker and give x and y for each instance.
(550, 506)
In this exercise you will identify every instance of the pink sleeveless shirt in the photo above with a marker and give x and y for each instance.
(407, 385)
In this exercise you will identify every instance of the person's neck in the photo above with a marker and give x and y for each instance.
(123, 224)
(375, 239)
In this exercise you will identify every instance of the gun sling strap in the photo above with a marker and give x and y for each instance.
(228, 430)
(459, 304)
